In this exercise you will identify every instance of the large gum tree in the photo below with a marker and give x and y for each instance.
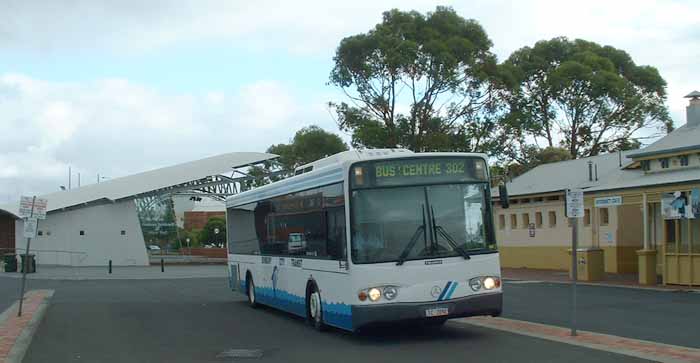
(585, 97)
(423, 82)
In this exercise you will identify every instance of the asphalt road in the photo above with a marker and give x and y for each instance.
(196, 320)
(662, 316)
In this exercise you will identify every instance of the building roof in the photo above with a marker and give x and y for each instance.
(149, 181)
(636, 178)
(559, 176)
(684, 138)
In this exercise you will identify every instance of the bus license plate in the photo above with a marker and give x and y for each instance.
(436, 312)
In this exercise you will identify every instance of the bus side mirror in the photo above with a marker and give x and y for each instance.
(503, 196)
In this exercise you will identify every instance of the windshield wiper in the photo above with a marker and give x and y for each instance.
(444, 234)
(412, 242)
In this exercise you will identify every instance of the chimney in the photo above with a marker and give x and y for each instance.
(692, 112)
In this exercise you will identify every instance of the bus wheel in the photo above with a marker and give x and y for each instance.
(251, 292)
(315, 311)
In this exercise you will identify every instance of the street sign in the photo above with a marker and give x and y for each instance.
(574, 203)
(607, 201)
(30, 225)
(38, 210)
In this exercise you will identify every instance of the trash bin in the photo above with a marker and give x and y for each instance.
(29, 263)
(10, 262)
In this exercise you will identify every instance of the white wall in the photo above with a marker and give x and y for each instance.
(61, 242)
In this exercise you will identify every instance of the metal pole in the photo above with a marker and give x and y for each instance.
(26, 262)
(645, 221)
(162, 265)
(110, 266)
(574, 272)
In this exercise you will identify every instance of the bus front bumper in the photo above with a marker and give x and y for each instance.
(474, 305)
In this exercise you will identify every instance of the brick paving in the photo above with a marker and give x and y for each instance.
(11, 328)
(632, 347)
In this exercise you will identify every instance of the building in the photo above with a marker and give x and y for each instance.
(94, 224)
(200, 214)
(642, 210)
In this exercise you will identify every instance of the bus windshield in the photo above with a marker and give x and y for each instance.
(420, 222)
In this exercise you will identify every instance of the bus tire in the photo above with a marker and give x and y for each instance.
(314, 311)
(250, 292)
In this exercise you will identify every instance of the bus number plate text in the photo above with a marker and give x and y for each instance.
(430, 313)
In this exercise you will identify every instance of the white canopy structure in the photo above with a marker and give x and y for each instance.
(96, 223)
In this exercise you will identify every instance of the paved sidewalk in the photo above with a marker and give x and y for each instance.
(16, 331)
(122, 272)
(633, 347)
(558, 276)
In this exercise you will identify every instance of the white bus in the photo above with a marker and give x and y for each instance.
(389, 235)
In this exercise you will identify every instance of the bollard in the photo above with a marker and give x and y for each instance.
(110, 266)
(162, 265)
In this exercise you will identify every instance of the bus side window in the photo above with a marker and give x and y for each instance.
(335, 231)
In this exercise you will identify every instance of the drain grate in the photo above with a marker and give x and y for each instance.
(241, 353)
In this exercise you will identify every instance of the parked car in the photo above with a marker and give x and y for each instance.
(296, 243)
(154, 248)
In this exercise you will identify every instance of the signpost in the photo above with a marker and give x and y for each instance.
(31, 209)
(574, 211)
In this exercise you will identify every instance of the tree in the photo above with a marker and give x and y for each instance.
(308, 144)
(439, 65)
(590, 98)
(208, 234)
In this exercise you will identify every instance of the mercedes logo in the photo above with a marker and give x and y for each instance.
(435, 291)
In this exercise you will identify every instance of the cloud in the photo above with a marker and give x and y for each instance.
(116, 127)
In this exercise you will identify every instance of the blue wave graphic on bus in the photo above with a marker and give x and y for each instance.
(335, 314)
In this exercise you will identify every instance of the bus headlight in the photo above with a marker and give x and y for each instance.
(489, 283)
(475, 283)
(485, 282)
(375, 294)
(390, 292)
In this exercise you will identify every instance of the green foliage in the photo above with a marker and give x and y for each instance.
(208, 234)
(193, 235)
(594, 97)
(309, 144)
(439, 65)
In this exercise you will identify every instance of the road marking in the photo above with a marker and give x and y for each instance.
(610, 343)
(16, 332)
(241, 353)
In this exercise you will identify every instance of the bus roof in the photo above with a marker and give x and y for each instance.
(327, 171)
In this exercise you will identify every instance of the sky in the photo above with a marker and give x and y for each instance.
(118, 87)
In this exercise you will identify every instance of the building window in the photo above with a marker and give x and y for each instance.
(123, 232)
(501, 221)
(586, 217)
(552, 218)
(526, 220)
(538, 219)
(513, 221)
(646, 165)
(664, 163)
(684, 160)
(40, 233)
(82, 233)
(604, 216)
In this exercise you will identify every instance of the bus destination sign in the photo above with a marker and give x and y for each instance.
(424, 170)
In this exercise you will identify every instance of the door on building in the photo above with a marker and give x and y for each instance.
(7, 233)
(681, 251)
